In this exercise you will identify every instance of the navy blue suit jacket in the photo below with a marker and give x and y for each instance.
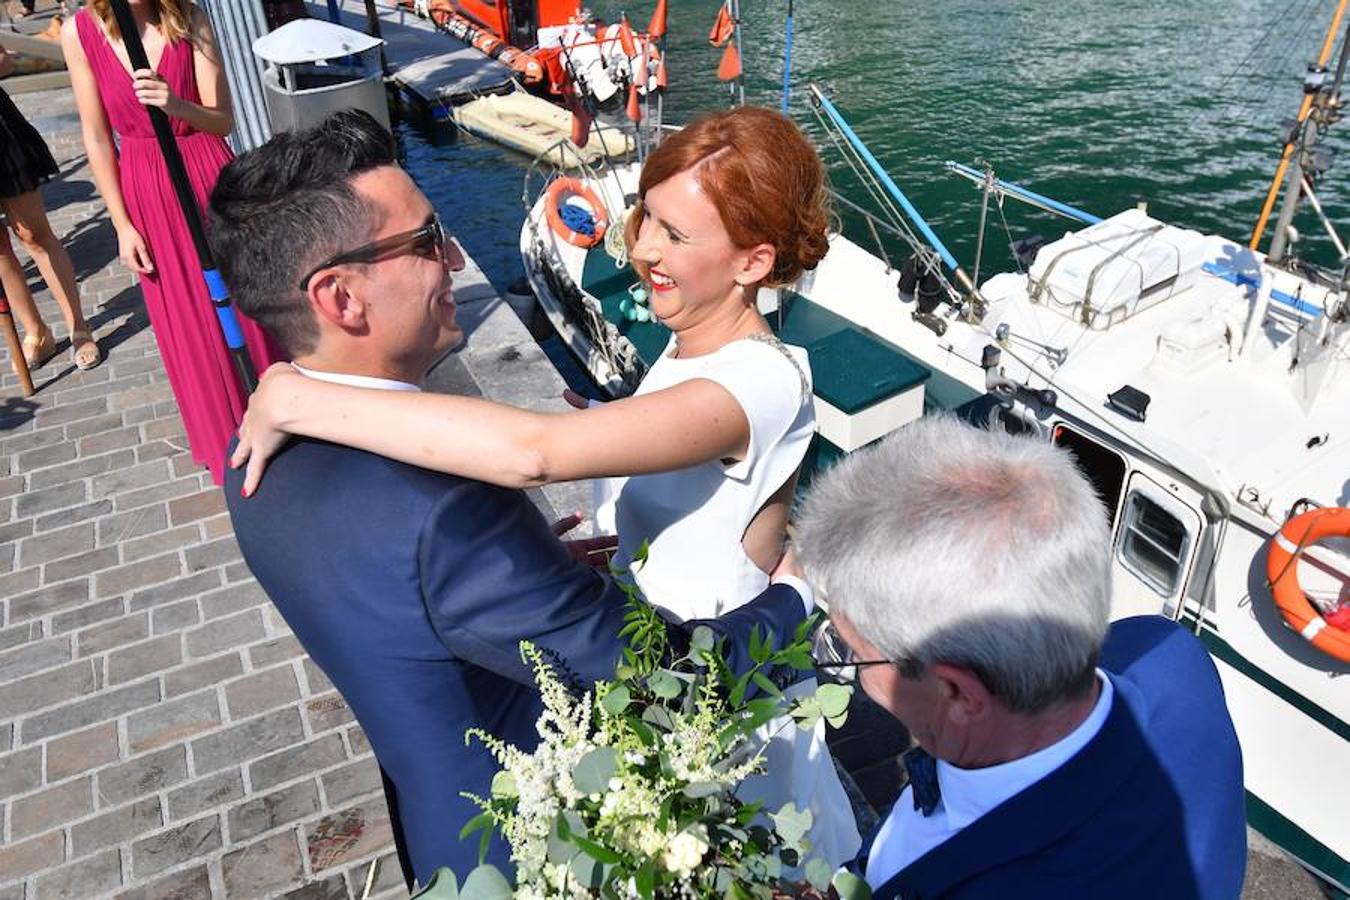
(1151, 807)
(412, 591)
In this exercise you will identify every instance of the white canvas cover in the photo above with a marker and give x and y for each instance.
(1109, 271)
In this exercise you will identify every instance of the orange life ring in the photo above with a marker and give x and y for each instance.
(557, 194)
(1282, 573)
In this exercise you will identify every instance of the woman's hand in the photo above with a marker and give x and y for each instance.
(152, 90)
(260, 436)
(133, 250)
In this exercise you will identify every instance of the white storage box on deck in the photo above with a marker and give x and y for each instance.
(1114, 269)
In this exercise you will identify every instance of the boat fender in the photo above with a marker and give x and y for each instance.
(919, 281)
(1282, 574)
(570, 226)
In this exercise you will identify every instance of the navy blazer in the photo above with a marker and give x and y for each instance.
(412, 590)
(1151, 807)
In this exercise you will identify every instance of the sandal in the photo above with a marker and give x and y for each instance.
(84, 350)
(38, 347)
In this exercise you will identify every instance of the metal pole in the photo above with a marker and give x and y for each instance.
(237, 24)
(787, 61)
(736, 36)
(173, 160)
(334, 12)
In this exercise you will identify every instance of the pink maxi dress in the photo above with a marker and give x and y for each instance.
(209, 395)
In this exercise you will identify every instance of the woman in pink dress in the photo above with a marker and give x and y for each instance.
(185, 81)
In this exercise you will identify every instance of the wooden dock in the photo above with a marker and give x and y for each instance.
(432, 69)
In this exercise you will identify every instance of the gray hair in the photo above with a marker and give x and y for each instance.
(946, 543)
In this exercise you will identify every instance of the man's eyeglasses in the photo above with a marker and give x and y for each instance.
(431, 241)
(834, 656)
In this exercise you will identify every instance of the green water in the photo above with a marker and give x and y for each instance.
(1099, 105)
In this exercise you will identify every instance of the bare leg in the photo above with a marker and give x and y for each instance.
(28, 219)
(15, 287)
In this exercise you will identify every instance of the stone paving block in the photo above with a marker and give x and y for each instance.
(117, 439)
(37, 812)
(83, 468)
(73, 514)
(217, 553)
(120, 826)
(352, 781)
(316, 679)
(158, 654)
(142, 775)
(237, 571)
(19, 634)
(81, 564)
(33, 657)
(163, 542)
(35, 503)
(22, 443)
(357, 741)
(20, 771)
(86, 878)
(173, 720)
(101, 638)
(388, 877)
(48, 599)
(106, 705)
(138, 574)
(139, 396)
(157, 450)
(326, 712)
(6, 737)
(43, 457)
(258, 693)
(232, 599)
(47, 689)
(189, 884)
(175, 616)
(94, 425)
(152, 855)
(342, 837)
(205, 793)
(27, 857)
(200, 505)
(294, 762)
(263, 869)
(267, 732)
(174, 590)
(22, 581)
(75, 753)
(216, 527)
(125, 526)
(331, 888)
(155, 494)
(14, 531)
(50, 545)
(274, 651)
(102, 611)
(208, 672)
(252, 817)
(13, 891)
(233, 631)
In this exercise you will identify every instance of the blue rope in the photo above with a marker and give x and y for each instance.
(578, 218)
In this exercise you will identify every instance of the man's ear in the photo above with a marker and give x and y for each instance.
(965, 698)
(755, 264)
(332, 300)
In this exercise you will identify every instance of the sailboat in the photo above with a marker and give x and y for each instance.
(1200, 382)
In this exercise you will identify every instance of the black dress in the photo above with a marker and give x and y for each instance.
(25, 161)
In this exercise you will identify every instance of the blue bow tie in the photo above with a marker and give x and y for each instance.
(922, 769)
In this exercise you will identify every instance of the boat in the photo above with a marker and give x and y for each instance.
(1200, 383)
(534, 126)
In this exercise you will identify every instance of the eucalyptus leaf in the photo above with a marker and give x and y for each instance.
(702, 639)
(664, 684)
(504, 786)
(660, 717)
(702, 789)
(792, 823)
(486, 883)
(850, 887)
(442, 886)
(594, 770)
(818, 872)
(616, 700)
(833, 699)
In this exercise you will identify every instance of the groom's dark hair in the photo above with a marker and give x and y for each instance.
(282, 209)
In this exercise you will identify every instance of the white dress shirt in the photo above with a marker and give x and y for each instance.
(967, 794)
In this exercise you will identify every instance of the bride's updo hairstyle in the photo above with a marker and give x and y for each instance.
(763, 176)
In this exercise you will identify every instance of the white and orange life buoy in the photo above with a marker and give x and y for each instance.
(558, 193)
(1282, 573)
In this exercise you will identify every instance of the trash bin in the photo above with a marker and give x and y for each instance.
(314, 68)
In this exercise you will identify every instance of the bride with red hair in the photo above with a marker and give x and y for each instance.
(702, 460)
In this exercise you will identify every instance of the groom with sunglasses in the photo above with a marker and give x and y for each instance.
(411, 589)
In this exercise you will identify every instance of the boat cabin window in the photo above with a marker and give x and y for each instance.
(1103, 467)
(1153, 544)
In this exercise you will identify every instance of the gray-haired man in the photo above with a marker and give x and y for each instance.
(968, 576)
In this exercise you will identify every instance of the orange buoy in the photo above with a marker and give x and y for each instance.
(626, 38)
(561, 190)
(656, 28)
(1282, 573)
(723, 28)
(634, 109)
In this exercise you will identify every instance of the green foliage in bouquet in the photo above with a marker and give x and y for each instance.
(631, 792)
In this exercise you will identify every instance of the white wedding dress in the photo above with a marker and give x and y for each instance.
(694, 519)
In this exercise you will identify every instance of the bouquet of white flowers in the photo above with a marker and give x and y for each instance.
(631, 791)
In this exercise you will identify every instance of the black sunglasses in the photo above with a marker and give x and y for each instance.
(431, 241)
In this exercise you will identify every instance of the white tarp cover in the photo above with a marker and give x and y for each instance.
(311, 41)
